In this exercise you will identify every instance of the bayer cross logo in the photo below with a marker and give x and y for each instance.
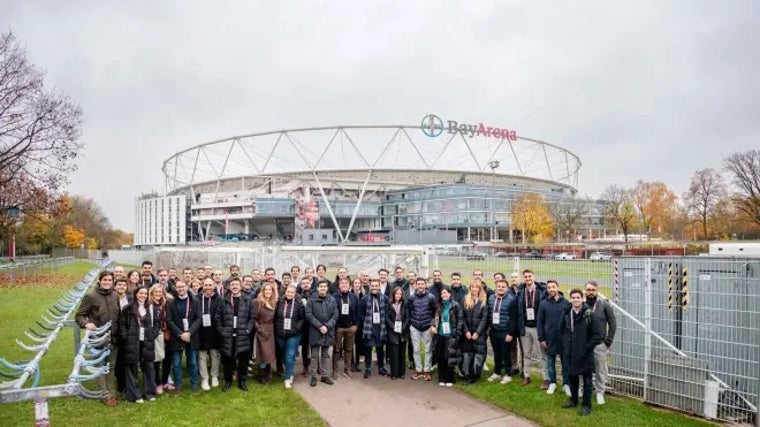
(432, 125)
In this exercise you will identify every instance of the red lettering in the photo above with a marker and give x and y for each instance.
(481, 129)
(497, 133)
(512, 135)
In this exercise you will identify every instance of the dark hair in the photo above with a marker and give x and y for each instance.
(120, 280)
(295, 267)
(234, 266)
(234, 279)
(323, 281)
(187, 268)
(268, 269)
(146, 262)
(374, 280)
(134, 293)
(134, 271)
(592, 283)
(286, 274)
(420, 279)
(383, 269)
(161, 269)
(456, 273)
(437, 271)
(306, 278)
(322, 266)
(576, 291)
(393, 294)
(498, 273)
(104, 274)
(501, 281)
(247, 275)
(552, 281)
(398, 267)
(527, 270)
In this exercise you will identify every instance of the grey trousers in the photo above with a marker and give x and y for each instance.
(203, 356)
(320, 360)
(600, 367)
(533, 354)
(107, 382)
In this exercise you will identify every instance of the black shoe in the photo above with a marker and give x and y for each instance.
(313, 381)
(327, 380)
(367, 373)
(227, 385)
(355, 368)
(411, 366)
(242, 386)
(195, 389)
(585, 410)
(382, 372)
(569, 404)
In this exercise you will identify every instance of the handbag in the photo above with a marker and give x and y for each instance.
(158, 343)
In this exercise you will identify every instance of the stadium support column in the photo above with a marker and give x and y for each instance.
(329, 208)
(358, 205)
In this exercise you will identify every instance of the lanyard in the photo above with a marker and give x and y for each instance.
(232, 302)
(375, 306)
(497, 306)
(446, 314)
(532, 298)
(187, 307)
(139, 319)
(397, 307)
(594, 309)
(572, 321)
(203, 304)
(285, 312)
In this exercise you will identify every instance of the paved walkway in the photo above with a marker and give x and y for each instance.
(380, 402)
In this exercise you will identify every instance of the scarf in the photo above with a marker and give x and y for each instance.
(382, 305)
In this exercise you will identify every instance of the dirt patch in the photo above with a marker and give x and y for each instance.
(46, 280)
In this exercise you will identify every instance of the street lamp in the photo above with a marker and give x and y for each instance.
(493, 164)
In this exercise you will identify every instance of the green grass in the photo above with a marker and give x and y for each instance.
(534, 404)
(21, 306)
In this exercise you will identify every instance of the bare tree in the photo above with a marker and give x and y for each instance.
(704, 193)
(567, 214)
(619, 210)
(746, 170)
(39, 129)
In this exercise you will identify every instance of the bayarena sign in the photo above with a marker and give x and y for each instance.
(433, 127)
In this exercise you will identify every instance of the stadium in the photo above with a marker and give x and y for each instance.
(442, 181)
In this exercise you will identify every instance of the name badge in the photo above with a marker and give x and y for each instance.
(142, 333)
(397, 326)
(206, 320)
(185, 324)
(304, 301)
(376, 318)
(234, 322)
(446, 326)
(344, 309)
(495, 319)
(286, 324)
(530, 314)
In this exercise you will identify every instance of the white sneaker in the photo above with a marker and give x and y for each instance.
(486, 368)
(287, 384)
(171, 380)
(214, 381)
(152, 399)
(551, 389)
(494, 377)
(566, 389)
(600, 398)
(433, 368)
(441, 384)
(449, 384)
(204, 385)
(506, 379)
(139, 401)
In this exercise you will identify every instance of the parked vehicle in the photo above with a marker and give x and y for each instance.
(599, 256)
(532, 255)
(564, 256)
(476, 256)
(501, 255)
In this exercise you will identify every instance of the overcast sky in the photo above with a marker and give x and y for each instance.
(639, 90)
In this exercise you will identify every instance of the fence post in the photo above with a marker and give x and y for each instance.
(647, 324)
(516, 264)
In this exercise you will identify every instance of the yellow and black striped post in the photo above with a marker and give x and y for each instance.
(670, 286)
(685, 289)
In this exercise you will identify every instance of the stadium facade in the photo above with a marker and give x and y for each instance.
(431, 183)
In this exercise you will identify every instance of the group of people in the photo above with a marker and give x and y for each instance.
(262, 320)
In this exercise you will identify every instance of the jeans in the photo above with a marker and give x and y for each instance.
(420, 338)
(192, 366)
(289, 346)
(551, 369)
(368, 357)
(574, 383)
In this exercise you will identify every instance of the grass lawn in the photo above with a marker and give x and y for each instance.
(534, 404)
(22, 305)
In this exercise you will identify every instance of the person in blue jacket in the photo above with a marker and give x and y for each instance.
(549, 315)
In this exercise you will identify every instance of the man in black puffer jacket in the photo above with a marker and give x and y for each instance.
(184, 322)
(234, 322)
(322, 315)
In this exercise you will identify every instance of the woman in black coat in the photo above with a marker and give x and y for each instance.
(289, 318)
(398, 333)
(234, 322)
(475, 313)
(138, 328)
(448, 349)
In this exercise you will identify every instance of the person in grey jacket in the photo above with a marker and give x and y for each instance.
(604, 312)
(322, 315)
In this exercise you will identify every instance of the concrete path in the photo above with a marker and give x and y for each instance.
(380, 402)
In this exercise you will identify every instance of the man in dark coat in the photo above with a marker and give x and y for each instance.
(549, 314)
(234, 323)
(374, 310)
(322, 315)
(581, 333)
(210, 338)
(184, 322)
(458, 290)
(98, 308)
(345, 330)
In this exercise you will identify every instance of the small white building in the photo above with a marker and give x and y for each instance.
(748, 249)
(160, 220)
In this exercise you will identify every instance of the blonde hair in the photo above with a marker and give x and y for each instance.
(163, 295)
(469, 301)
(269, 303)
